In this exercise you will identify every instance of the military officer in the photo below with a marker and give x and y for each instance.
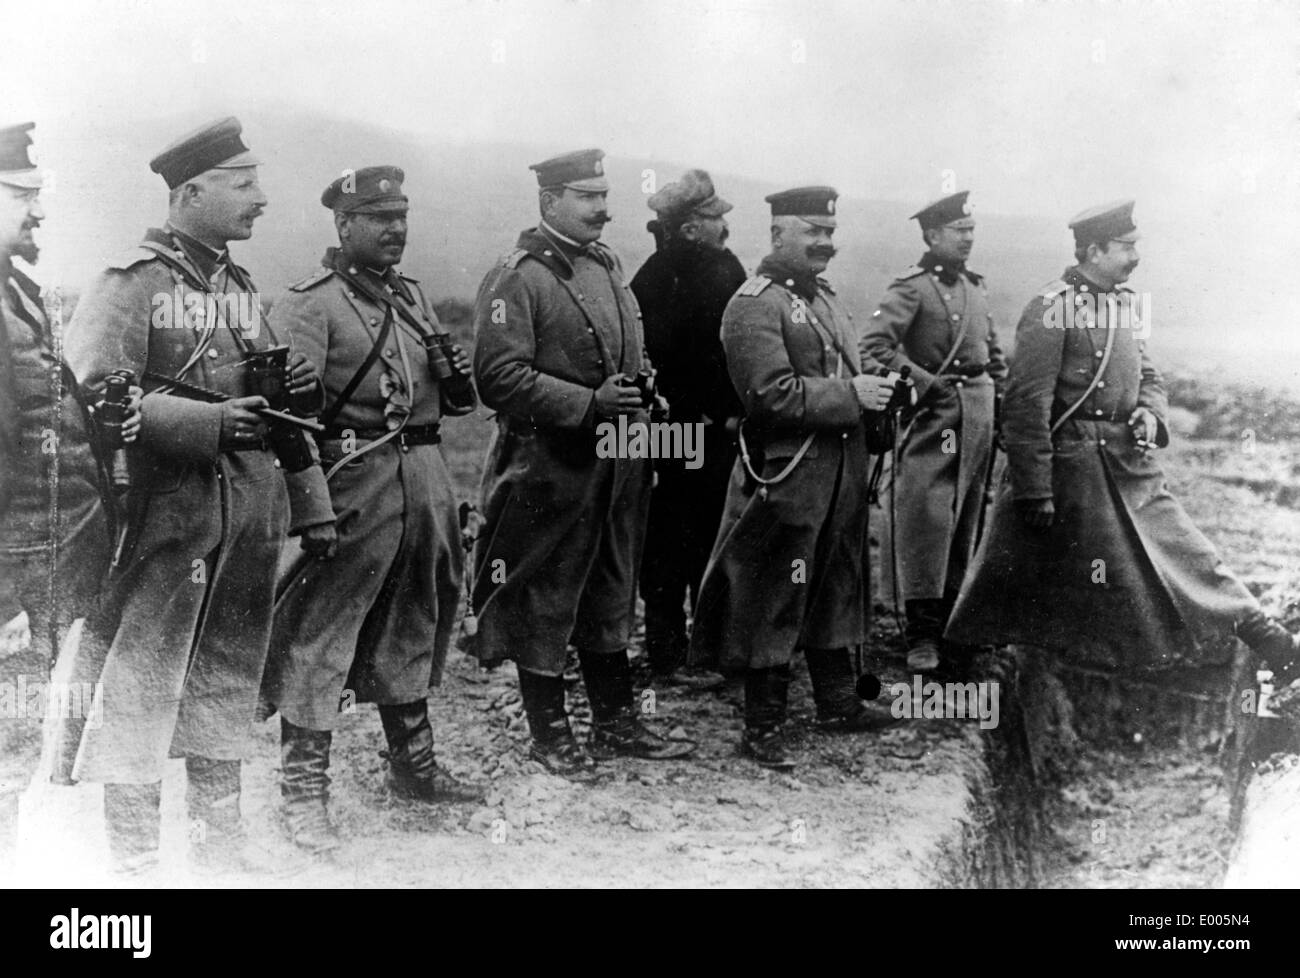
(54, 541)
(788, 569)
(367, 604)
(1105, 568)
(207, 509)
(558, 341)
(935, 318)
(682, 290)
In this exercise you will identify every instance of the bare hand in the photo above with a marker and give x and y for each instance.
(460, 361)
(873, 391)
(241, 426)
(615, 396)
(1145, 427)
(1037, 514)
(303, 375)
(320, 540)
(131, 426)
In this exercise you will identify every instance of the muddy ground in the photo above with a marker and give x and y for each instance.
(904, 808)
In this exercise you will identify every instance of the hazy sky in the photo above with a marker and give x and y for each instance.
(1042, 107)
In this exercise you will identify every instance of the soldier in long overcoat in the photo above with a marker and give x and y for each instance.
(368, 600)
(207, 510)
(789, 566)
(1087, 553)
(557, 339)
(54, 539)
(683, 289)
(936, 319)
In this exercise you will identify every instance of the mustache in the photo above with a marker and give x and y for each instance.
(393, 239)
(598, 220)
(822, 251)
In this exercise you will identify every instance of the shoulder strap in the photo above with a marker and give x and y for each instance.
(331, 413)
(961, 332)
(1092, 385)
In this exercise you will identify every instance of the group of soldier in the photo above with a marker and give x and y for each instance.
(285, 538)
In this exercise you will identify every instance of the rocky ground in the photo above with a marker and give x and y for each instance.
(909, 807)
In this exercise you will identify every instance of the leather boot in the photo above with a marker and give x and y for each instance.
(1273, 643)
(553, 744)
(839, 709)
(305, 788)
(616, 726)
(218, 841)
(766, 692)
(924, 629)
(133, 817)
(413, 771)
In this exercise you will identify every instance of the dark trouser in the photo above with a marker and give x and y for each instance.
(608, 677)
(685, 510)
(132, 812)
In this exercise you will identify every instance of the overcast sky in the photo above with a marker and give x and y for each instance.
(1039, 107)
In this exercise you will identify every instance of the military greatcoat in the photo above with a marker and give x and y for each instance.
(789, 565)
(557, 556)
(376, 619)
(1122, 578)
(932, 317)
(194, 585)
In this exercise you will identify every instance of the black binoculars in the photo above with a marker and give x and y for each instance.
(644, 381)
(110, 416)
(268, 377)
(440, 350)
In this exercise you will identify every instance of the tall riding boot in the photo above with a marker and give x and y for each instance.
(305, 788)
(766, 692)
(133, 817)
(1273, 643)
(413, 771)
(553, 744)
(616, 727)
(218, 842)
(924, 631)
(839, 709)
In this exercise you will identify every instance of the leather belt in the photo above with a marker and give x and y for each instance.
(412, 434)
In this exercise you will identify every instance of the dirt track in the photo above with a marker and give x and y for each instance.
(895, 809)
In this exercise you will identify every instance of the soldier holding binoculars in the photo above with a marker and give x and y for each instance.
(366, 607)
(206, 512)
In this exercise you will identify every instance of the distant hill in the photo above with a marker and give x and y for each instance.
(470, 201)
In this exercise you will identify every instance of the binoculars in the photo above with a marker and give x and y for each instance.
(110, 415)
(268, 376)
(644, 381)
(439, 350)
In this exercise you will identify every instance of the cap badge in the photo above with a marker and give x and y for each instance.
(830, 206)
(599, 168)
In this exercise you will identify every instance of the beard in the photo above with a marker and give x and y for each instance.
(28, 250)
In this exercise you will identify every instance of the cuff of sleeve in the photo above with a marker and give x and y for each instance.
(180, 429)
(309, 499)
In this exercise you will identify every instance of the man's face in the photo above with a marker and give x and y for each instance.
(20, 215)
(805, 246)
(1115, 261)
(577, 214)
(374, 240)
(226, 203)
(950, 243)
(711, 232)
